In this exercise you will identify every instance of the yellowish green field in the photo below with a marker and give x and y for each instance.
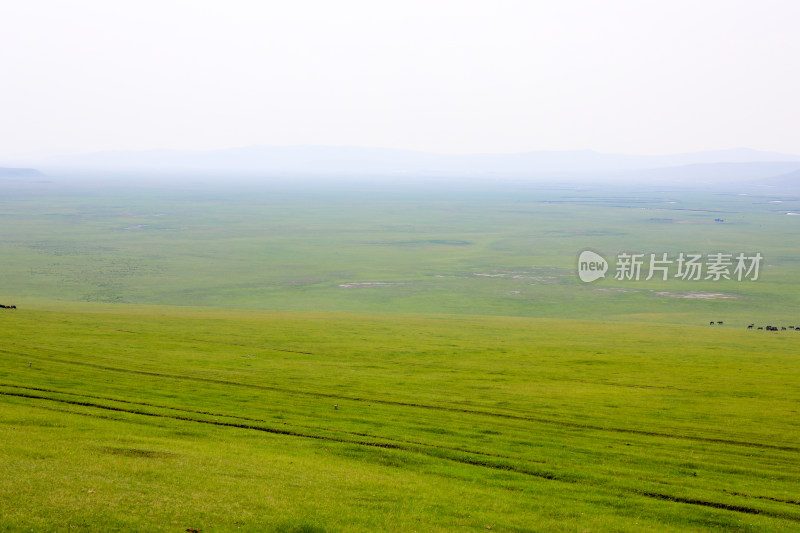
(158, 418)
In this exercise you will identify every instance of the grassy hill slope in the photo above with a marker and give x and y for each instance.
(136, 418)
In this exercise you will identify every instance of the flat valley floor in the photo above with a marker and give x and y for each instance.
(359, 358)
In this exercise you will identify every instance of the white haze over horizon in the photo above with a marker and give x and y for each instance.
(451, 77)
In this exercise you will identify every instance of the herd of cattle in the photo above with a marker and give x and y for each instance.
(767, 328)
(774, 328)
(7, 306)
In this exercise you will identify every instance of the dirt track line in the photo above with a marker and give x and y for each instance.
(507, 416)
(429, 407)
(188, 419)
(770, 498)
(715, 505)
(411, 448)
(250, 419)
(463, 460)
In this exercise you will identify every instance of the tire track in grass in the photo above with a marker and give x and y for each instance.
(508, 416)
(715, 505)
(550, 378)
(251, 419)
(463, 460)
(374, 444)
(189, 419)
(334, 430)
(770, 498)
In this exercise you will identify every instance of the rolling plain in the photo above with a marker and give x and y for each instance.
(344, 357)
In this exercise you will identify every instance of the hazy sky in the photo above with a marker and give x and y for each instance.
(625, 76)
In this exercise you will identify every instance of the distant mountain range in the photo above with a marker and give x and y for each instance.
(8, 172)
(732, 166)
(790, 179)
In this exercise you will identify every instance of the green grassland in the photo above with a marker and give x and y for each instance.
(511, 252)
(375, 359)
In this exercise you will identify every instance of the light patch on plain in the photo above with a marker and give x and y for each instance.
(515, 275)
(364, 284)
(698, 295)
(616, 289)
